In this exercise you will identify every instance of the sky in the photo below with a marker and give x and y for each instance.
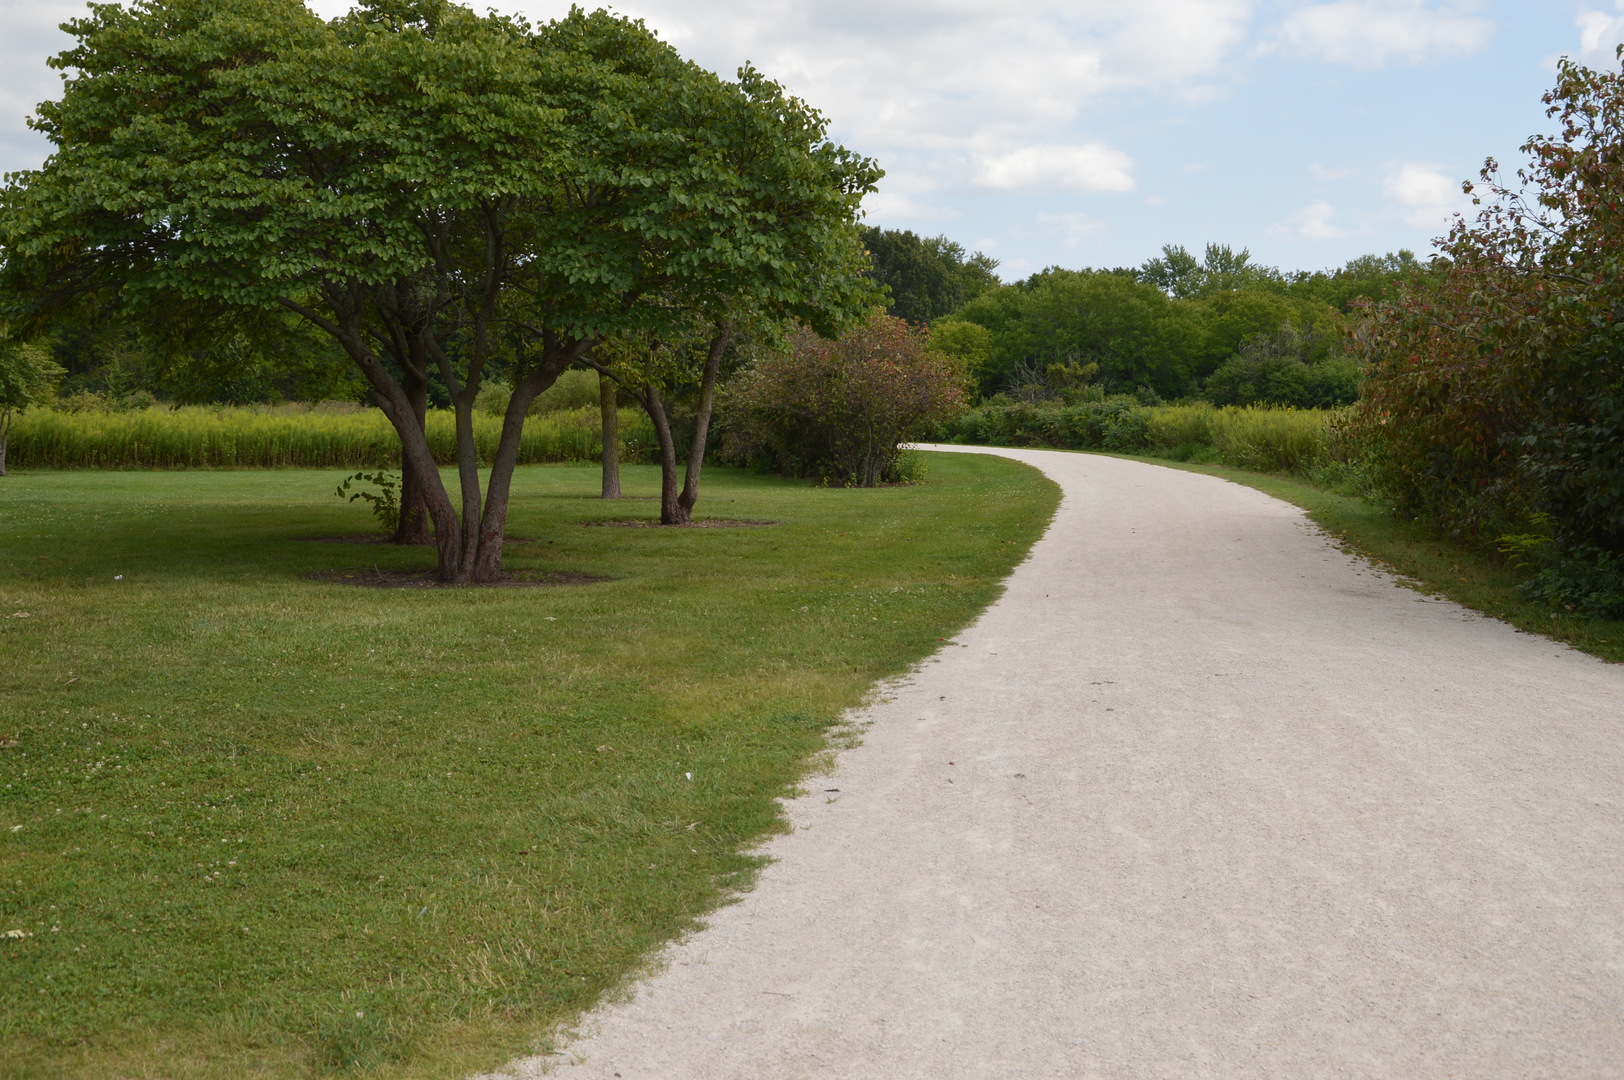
(1091, 132)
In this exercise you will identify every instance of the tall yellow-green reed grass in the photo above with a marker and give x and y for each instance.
(259, 438)
(1262, 438)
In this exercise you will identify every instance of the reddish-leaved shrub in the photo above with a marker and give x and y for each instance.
(841, 409)
(1495, 396)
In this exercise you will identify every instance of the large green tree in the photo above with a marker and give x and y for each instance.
(926, 277)
(1365, 277)
(1129, 332)
(1222, 269)
(433, 189)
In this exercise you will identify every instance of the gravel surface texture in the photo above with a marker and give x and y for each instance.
(1200, 796)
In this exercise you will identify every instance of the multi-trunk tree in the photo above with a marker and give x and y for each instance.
(433, 189)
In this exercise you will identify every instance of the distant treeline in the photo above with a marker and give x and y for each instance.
(1221, 328)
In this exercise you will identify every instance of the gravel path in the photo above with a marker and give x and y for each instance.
(1200, 796)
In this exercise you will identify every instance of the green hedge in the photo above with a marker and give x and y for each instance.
(1279, 440)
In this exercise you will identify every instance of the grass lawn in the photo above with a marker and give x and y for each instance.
(256, 825)
(1439, 564)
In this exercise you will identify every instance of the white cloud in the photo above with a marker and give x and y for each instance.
(1327, 172)
(1600, 34)
(1369, 32)
(957, 69)
(953, 96)
(1070, 229)
(1312, 222)
(1090, 167)
(1424, 197)
(895, 204)
(949, 95)
(31, 36)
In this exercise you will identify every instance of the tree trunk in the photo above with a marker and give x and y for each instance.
(5, 437)
(467, 550)
(707, 403)
(672, 511)
(468, 481)
(610, 415)
(487, 562)
(414, 527)
(414, 445)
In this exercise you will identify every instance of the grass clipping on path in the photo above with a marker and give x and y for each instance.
(254, 825)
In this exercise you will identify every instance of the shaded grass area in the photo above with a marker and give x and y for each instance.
(1439, 564)
(260, 826)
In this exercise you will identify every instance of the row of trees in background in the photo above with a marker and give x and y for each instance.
(1221, 327)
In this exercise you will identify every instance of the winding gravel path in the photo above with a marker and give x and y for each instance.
(1200, 796)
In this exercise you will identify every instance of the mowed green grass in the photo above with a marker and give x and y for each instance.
(256, 825)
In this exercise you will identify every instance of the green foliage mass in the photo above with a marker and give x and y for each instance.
(925, 277)
(574, 389)
(1304, 442)
(1130, 329)
(1166, 330)
(27, 377)
(1495, 400)
(1288, 367)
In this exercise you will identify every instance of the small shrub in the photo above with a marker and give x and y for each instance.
(27, 377)
(841, 409)
(95, 401)
(1301, 441)
(1589, 581)
(909, 467)
(385, 501)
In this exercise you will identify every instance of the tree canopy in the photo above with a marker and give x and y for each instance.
(1167, 328)
(925, 277)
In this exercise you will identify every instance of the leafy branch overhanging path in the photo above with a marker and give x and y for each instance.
(1199, 796)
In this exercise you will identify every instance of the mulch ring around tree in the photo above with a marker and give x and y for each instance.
(387, 538)
(373, 577)
(703, 523)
